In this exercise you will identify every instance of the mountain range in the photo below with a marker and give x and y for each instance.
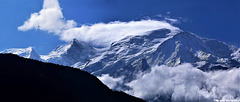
(133, 54)
(158, 47)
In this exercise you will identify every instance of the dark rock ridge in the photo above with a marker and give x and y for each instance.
(27, 80)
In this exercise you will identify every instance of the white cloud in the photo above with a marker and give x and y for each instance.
(110, 81)
(104, 34)
(51, 19)
(187, 83)
(172, 20)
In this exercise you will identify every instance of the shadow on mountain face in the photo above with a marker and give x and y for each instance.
(26, 80)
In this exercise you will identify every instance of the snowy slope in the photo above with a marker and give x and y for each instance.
(74, 53)
(236, 55)
(70, 54)
(161, 47)
(29, 52)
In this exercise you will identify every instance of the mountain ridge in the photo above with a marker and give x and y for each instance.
(158, 47)
(132, 55)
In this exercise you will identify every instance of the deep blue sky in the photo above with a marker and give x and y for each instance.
(216, 19)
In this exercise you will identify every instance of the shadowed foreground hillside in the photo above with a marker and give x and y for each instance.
(26, 80)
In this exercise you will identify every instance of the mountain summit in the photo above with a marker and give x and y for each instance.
(71, 53)
(29, 52)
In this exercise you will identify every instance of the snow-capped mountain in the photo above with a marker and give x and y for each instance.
(161, 47)
(135, 56)
(126, 58)
(29, 52)
(138, 53)
(73, 53)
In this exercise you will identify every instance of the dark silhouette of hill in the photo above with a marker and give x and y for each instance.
(27, 80)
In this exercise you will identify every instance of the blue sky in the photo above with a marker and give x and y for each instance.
(217, 19)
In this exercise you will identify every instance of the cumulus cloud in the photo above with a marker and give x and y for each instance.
(110, 81)
(51, 19)
(187, 83)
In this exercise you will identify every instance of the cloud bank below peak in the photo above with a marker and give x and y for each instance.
(51, 19)
(186, 83)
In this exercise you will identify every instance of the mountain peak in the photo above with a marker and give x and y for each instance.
(160, 33)
(29, 52)
(74, 42)
(30, 48)
(71, 53)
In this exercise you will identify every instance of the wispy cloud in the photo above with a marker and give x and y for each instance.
(172, 20)
(104, 34)
(51, 19)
